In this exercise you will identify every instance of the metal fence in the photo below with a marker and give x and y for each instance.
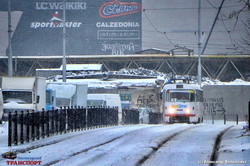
(222, 118)
(155, 118)
(26, 126)
(130, 116)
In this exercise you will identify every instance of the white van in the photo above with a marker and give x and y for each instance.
(106, 100)
(23, 93)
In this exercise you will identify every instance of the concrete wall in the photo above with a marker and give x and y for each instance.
(227, 99)
(143, 97)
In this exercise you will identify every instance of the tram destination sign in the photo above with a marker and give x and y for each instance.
(93, 27)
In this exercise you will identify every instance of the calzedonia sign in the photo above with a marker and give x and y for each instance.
(93, 27)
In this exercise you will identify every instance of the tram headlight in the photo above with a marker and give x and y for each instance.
(187, 110)
(171, 110)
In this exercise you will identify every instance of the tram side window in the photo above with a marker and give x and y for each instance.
(199, 96)
(192, 97)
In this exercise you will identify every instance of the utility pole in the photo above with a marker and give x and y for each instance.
(64, 42)
(201, 52)
(10, 60)
(199, 43)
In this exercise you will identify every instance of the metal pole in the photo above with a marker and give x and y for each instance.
(64, 42)
(249, 115)
(10, 129)
(212, 118)
(10, 60)
(199, 43)
(225, 119)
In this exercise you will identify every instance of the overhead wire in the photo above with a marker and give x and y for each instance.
(216, 31)
(227, 30)
(191, 8)
(164, 33)
(229, 33)
(212, 5)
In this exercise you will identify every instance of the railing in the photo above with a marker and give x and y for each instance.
(25, 126)
(130, 116)
(225, 118)
(155, 118)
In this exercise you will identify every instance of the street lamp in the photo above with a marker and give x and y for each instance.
(64, 42)
(10, 60)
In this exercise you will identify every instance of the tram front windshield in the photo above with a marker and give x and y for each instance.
(182, 97)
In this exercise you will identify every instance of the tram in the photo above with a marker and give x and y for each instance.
(182, 102)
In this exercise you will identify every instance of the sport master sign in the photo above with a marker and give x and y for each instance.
(93, 27)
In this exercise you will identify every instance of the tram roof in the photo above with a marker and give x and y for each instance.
(181, 86)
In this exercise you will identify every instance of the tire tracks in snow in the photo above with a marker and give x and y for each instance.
(49, 143)
(41, 145)
(214, 154)
(97, 145)
(159, 145)
(32, 147)
(114, 139)
(216, 147)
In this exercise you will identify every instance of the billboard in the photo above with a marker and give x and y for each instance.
(93, 27)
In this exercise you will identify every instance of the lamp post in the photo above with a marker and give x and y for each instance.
(199, 43)
(199, 36)
(64, 42)
(10, 60)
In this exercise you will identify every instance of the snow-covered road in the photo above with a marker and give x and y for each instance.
(190, 147)
(132, 145)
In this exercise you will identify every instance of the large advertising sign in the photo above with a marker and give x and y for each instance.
(93, 27)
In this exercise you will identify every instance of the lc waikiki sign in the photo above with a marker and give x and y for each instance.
(116, 8)
(59, 5)
(54, 19)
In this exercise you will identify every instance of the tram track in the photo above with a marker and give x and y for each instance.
(99, 145)
(216, 147)
(120, 137)
(155, 149)
(213, 155)
(53, 142)
(102, 149)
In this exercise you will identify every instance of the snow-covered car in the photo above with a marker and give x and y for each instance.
(144, 114)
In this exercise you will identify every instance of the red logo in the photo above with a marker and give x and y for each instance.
(116, 8)
(23, 162)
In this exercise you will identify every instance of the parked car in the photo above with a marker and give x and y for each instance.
(144, 114)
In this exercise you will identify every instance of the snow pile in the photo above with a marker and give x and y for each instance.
(208, 81)
(238, 82)
(113, 83)
(133, 77)
(245, 130)
(235, 147)
(140, 72)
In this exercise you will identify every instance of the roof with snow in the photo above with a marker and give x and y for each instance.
(83, 67)
(153, 51)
